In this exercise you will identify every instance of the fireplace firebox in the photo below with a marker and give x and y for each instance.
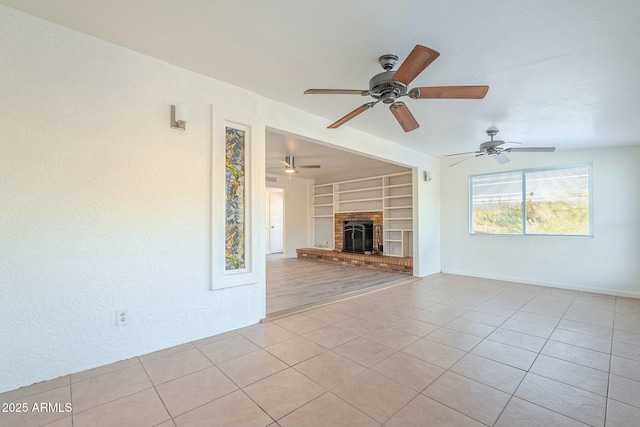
(358, 236)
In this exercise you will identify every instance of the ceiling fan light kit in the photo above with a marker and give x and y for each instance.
(390, 85)
(291, 168)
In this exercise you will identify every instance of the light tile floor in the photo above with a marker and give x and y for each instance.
(440, 351)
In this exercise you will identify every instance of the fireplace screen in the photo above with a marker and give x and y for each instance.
(358, 236)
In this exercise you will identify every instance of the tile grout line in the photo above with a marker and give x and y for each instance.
(238, 388)
(613, 331)
(532, 363)
(366, 368)
(420, 393)
(156, 390)
(467, 353)
(71, 399)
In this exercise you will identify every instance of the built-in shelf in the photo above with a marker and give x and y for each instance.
(359, 200)
(373, 194)
(359, 190)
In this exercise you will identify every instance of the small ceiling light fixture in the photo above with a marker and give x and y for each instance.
(289, 169)
(179, 115)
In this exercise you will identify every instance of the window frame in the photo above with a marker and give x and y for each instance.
(523, 200)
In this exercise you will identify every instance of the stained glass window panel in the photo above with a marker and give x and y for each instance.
(235, 199)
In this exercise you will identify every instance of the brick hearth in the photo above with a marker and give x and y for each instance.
(402, 265)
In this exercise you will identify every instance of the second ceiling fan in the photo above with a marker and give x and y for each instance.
(390, 85)
(290, 165)
(497, 148)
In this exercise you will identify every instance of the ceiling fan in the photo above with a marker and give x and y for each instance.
(389, 85)
(493, 149)
(290, 166)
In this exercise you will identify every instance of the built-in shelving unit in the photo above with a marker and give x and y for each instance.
(322, 203)
(391, 194)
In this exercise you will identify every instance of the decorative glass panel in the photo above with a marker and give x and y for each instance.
(235, 199)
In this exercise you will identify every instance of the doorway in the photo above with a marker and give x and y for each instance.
(275, 221)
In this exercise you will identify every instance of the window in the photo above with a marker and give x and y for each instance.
(533, 201)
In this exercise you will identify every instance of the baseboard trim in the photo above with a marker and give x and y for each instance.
(559, 285)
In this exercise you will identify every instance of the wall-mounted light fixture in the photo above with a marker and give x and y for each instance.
(179, 116)
(426, 175)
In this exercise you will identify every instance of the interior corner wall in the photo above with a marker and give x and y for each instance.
(427, 207)
(605, 263)
(296, 213)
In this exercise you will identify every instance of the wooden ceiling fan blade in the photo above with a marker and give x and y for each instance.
(404, 116)
(449, 92)
(336, 92)
(531, 149)
(351, 115)
(309, 167)
(419, 59)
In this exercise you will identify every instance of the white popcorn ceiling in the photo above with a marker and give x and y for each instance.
(561, 73)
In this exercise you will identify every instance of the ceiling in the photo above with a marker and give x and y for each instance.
(562, 73)
(334, 164)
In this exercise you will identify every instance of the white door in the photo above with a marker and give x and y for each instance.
(275, 235)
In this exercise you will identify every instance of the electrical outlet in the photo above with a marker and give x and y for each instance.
(122, 317)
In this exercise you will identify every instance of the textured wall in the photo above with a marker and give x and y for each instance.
(606, 262)
(104, 207)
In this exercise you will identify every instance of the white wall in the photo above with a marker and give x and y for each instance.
(605, 263)
(427, 203)
(296, 213)
(104, 207)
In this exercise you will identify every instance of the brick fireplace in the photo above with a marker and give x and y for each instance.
(337, 256)
(342, 217)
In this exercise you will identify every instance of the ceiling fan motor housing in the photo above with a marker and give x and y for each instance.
(382, 87)
(490, 144)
